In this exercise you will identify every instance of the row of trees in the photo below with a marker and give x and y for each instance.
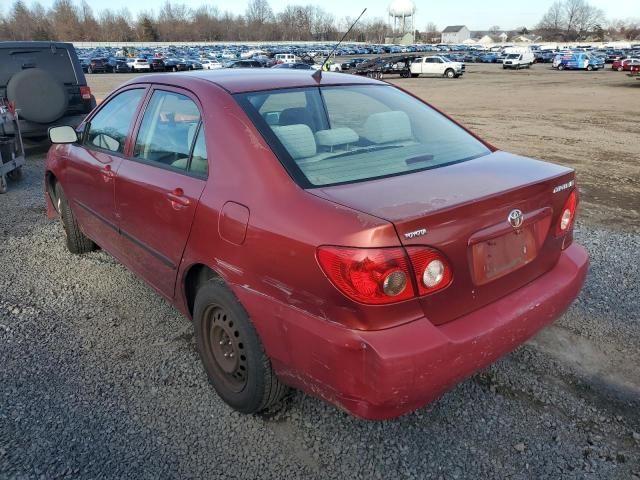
(571, 20)
(566, 20)
(68, 20)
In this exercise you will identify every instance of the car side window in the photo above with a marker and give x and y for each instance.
(199, 162)
(109, 128)
(168, 129)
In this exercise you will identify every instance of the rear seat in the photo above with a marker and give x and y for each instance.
(305, 147)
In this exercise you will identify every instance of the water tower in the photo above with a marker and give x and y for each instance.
(402, 17)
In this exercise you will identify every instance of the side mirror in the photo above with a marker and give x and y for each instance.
(62, 135)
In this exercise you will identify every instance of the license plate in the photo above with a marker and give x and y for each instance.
(502, 255)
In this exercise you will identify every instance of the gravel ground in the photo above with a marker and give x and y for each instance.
(100, 379)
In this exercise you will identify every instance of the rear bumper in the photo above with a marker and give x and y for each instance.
(386, 373)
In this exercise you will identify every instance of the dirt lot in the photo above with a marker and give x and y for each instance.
(99, 376)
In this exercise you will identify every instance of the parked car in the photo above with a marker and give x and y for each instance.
(612, 56)
(624, 65)
(175, 65)
(97, 65)
(488, 58)
(243, 64)
(436, 65)
(121, 67)
(138, 64)
(210, 64)
(352, 63)
(285, 58)
(193, 64)
(344, 266)
(156, 65)
(84, 64)
(46, 83)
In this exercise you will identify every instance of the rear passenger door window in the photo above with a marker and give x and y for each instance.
(199, 164)
(109, 128)
(168, 130)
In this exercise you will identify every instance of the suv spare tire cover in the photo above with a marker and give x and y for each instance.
(39, 96)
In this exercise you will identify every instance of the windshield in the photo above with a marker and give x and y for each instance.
(513, 55)
(341, 134)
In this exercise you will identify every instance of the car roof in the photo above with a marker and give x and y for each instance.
(252, 80)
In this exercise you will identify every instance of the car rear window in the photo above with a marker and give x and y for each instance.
(343, 134)
(54, 60)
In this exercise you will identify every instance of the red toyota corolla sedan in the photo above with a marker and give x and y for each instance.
(339, 236)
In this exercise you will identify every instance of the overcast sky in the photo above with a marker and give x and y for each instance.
(476, 14)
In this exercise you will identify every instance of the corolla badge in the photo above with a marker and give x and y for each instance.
(515, 218)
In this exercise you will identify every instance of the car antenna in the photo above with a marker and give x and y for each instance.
(317, 75)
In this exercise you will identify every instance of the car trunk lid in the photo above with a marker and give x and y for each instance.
(463, 210)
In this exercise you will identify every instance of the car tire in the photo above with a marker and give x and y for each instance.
(620, 69)
(589, 68)
(450, 73)
(3, 184)
(77, 242)
(560, 67)
(231, 351)
(40, 97)
(174, 69)
(89, 70)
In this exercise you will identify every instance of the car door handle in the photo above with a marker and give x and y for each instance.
(176, 197)
(108, 173)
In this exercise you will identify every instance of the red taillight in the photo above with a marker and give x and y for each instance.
(567, 214)
(374, 276)
(432, 270)
(378, 276)
(85, 92)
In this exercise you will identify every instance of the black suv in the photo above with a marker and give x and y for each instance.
(46, 83)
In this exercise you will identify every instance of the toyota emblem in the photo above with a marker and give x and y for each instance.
(515, 218)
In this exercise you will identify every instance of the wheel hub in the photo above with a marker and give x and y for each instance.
(226, 354)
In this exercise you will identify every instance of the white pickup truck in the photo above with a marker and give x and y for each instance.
(436, 65)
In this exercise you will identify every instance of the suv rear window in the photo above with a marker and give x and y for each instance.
(342, 134)
(54, 60)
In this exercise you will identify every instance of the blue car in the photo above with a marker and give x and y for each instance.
(488, 58)
(576, 61)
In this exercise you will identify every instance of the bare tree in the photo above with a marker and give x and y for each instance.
(65, 19)
(259, 12)
(88, 24)
(570, 20)
(494, 30)
(432, 34)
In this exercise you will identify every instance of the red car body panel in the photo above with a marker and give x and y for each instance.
(252, 225)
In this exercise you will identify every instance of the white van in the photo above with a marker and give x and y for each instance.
(285, 58)
(518, 60)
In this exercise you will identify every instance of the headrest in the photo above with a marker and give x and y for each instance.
(386, 127)
(336, 136)
(297, 139)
